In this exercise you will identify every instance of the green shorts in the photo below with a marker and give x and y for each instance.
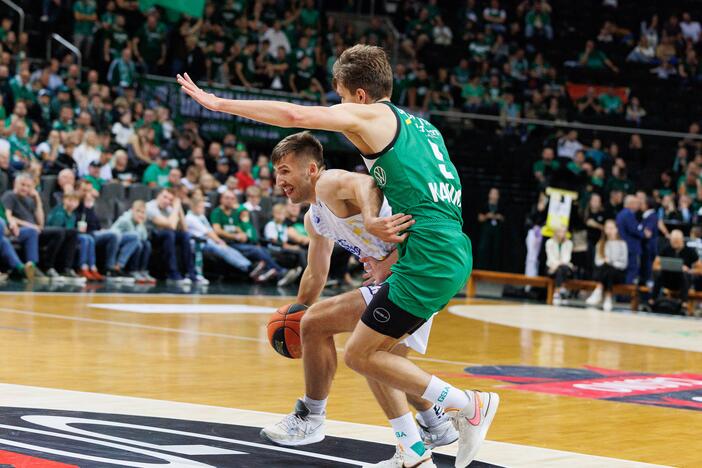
(434, 264)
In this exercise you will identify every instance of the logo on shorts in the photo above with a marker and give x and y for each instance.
(381, 315)
(379, 174)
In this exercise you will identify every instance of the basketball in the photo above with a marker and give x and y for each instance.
(284, 330)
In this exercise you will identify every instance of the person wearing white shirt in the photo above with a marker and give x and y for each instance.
(201, 229)
(87, 152)
(123, 130)
(569, 145)
(559, 250)
(690, 29)
(277, 38)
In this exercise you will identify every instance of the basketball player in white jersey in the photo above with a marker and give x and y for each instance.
(337, 199)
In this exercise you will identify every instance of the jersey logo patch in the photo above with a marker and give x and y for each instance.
(381, 315)
(379, 175)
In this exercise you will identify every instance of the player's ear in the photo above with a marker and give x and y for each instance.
(361, 96)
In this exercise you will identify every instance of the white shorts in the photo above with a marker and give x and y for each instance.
(418, 340)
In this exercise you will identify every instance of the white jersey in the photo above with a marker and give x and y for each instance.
(350, 233)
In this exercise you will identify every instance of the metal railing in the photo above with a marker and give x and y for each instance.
(68, 45)
(565, 124)
(19, 11)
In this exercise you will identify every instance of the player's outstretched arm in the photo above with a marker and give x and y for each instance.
(318, 257)
(346, 118)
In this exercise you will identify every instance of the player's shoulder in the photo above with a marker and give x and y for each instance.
(311, 221)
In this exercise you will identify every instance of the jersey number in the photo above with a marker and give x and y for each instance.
(440, 157)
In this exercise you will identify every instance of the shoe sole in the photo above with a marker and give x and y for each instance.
(311, 440)
(493, 404)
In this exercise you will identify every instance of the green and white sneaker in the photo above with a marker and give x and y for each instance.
(297, 428)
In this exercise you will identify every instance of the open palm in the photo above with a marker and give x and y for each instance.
(207, 100)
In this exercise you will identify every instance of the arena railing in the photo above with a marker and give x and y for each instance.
(68, 45)
(19, 12)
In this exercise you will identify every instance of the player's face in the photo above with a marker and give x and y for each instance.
(293, 175)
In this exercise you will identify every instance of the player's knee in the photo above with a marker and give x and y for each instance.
(311, 323)
(354, 359)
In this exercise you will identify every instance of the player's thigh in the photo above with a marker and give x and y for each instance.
(334, 315)
(363, 342)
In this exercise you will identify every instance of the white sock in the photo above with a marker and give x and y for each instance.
(445, 395)
(407, 434)
(433, 416)
(315, 406)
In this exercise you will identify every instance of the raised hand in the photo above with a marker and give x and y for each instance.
(207, 100)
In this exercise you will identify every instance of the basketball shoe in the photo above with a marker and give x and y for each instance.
(437, 435)
(472, 423)
(297, 428)
(408, 459)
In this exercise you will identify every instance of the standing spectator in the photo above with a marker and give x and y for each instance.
(122, 73)
(491, 222)
(166, 222)
(538, 21)
(649, 248)
(85, 17)
(201, 230)
(149, 45)
(594, 222)
(23, 208)
(559, 250)
(134, 246)
(631, 233)
(611, 259)
(495, 17)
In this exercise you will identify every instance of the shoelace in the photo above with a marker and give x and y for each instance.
(291, 422)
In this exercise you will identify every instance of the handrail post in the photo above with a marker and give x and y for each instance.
(19, 11)
(68, 45)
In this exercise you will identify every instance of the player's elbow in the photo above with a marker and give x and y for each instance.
(299, 117)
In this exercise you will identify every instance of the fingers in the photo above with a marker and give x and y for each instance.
(403, 227)
(400, 219)
(368, 282)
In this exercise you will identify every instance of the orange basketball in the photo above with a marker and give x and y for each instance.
(284, 330)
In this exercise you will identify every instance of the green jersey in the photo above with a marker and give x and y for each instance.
(417, 177)
(415, 172)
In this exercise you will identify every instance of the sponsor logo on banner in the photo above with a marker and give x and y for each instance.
(674, 390)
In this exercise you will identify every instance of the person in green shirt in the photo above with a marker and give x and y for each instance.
(116, 40)
(20, 85)
(473, 94)
(595, 59)
(85, 17)
(94, 175)
(538, 21)
(156, 175)
(611, 103)
(122, 72)
(309, 15)
(149, 45)
(65, 121)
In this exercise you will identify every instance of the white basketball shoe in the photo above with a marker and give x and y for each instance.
(297, 428)
(408, 459)
(438, 435)
(472, 423)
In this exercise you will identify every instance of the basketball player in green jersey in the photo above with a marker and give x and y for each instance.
(407, 157)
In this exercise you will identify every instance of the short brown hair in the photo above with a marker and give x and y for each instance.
(302, 143)
(365, 67)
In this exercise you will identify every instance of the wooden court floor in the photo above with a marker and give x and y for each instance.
(131, 348)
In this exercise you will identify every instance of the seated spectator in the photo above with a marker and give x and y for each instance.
(558, 261)
(104, 238)
(201, 229)
(611, 259)
(134, 249)
(23, 208)
(594, 59)
(644, 52)
(675, 280)
(495, 17)
(545, 168)
(589, 104)
(121, 171)
(295, 220)
(276, 234)
(227, 223)
(93, 175)
(30, 242)
(64, 216)
(634, 112)
(244, 176)
(691, 30)
(157, 174)
(611, 103)
(87, 152)
(166, 221)
(223, 170)
(568, 145)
